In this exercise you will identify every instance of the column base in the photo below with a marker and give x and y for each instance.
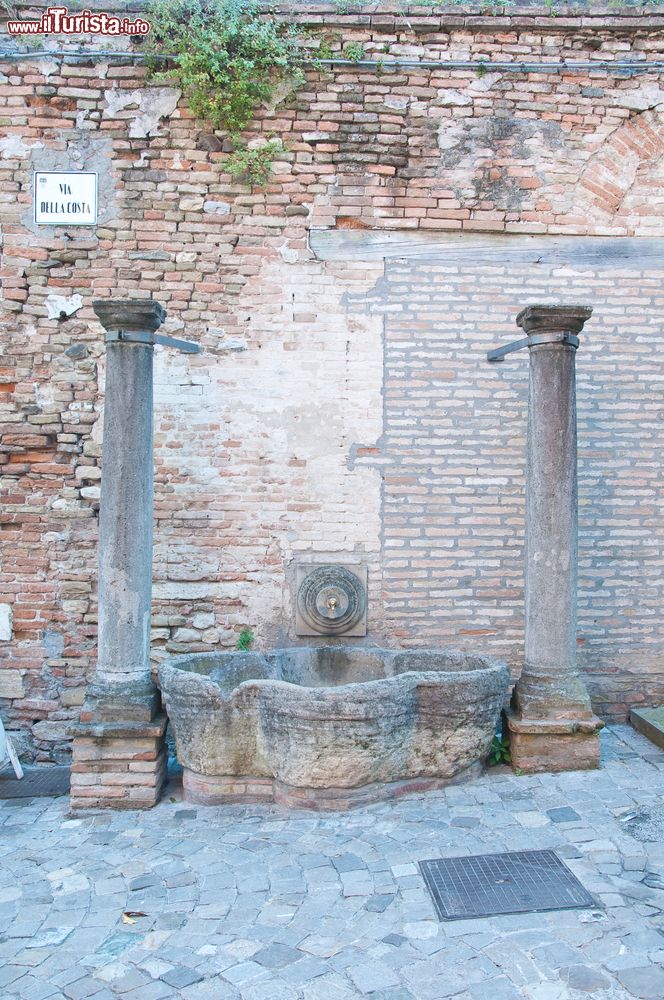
(118, 765)
(553, 744)
(132, 701)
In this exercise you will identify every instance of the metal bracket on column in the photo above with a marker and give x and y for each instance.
(141, 337)
(499, 353)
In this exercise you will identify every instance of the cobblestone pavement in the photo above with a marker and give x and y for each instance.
(260, 904)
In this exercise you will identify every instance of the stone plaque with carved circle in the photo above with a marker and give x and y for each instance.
(331, 600)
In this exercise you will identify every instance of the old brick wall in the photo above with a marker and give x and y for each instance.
(452, 458)
(341, 407)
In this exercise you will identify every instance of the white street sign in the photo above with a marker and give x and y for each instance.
(65, 199)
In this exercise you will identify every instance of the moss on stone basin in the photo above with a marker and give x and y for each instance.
(332, 717)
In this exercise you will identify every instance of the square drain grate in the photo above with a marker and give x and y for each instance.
(37, 782)
(514, 882)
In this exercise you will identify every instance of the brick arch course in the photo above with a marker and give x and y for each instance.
(631, 153)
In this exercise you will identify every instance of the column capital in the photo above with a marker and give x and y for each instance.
(537, 319)
(132, 315)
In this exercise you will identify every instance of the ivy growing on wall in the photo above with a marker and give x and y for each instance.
(228, 57)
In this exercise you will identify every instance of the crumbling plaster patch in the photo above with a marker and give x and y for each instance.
(145, 106)
(6, 622)
(62, 306)
(13, 147)
(641, 99)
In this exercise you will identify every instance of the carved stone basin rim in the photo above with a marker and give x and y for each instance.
(323, 725)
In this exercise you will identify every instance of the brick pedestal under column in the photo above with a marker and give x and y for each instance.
(118, 765)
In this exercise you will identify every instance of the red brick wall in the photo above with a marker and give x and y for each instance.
(297, 431)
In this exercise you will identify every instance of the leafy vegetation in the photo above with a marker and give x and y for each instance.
(354, 51)
(228, 57)
(253, 165)
(500, 751)
(245, 640)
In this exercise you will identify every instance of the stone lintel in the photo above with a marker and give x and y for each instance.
(538, 319)
(138, 315)
(649, 722)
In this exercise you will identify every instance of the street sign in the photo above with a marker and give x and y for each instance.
(65, 198)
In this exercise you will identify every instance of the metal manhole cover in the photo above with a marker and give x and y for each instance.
(37, 782)
(514, 882)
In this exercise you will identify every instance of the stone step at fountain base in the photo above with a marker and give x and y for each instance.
(212, 790)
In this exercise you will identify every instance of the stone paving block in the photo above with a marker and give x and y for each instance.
(645, 982)
(495, 989)
(304, 971)
(583, 978)
(128, 980)
(244, 972)
(210, 989)
(82, 988)
(115, 971)
(180, 976)
(563, 814)
(515, 963)
(153, 991)
(30, 988)
(323, 947)
(556, 955)
(393, 993)
(271, 990)
(10, 973)
(276, 956)
(329, 987)
(371, 976)
(348, 863)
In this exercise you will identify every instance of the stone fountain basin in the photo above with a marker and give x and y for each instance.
(332, 726)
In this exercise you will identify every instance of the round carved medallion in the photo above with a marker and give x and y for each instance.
(331, 600)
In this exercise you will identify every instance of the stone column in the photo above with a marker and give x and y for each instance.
(119, 755)
(552, 726)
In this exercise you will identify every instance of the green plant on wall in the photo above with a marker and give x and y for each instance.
(228, 57)
(253, 165)
(354, 51)
(245, 640)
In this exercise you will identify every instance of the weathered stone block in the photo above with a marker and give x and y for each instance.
(11, 684)
(51, 731)
(650, 722)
